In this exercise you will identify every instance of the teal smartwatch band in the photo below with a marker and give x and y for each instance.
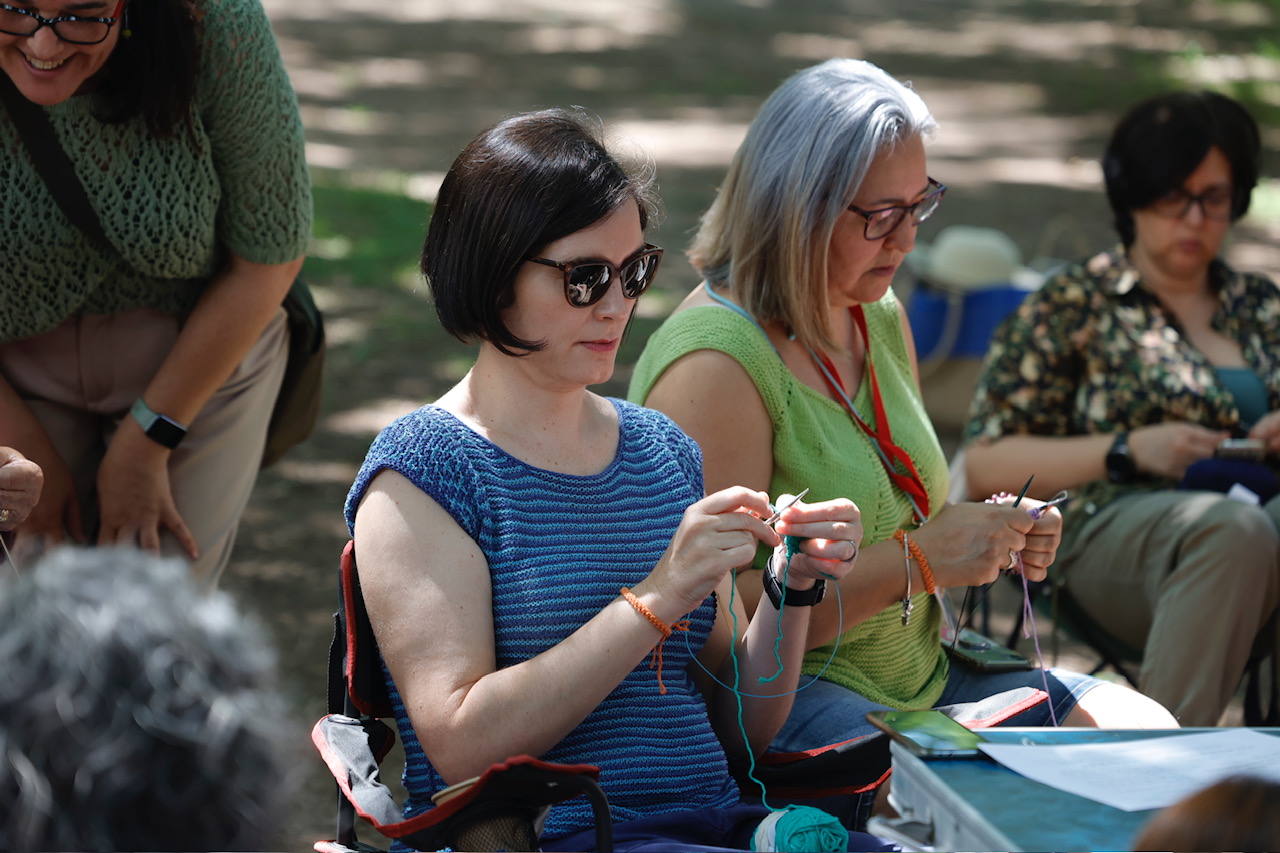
(161, 429)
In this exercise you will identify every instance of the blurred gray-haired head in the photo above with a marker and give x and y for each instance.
(137, 712)
(798, 169)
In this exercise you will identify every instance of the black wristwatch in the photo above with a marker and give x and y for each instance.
(1120, 466)
(161, 429)
(795, 597)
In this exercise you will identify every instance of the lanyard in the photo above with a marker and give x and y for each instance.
(897, 462)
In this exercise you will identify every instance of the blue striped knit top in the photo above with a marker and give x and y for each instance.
(559, 546)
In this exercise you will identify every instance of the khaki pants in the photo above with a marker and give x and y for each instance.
(1188, 577)
(81, 378)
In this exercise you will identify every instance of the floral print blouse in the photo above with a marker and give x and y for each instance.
(1093, 351)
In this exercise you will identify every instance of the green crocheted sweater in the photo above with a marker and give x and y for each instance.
(170, 207)
(815, 444)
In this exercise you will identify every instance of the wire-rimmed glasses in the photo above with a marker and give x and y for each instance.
(76, 29)
(587, 281)
(883, 220)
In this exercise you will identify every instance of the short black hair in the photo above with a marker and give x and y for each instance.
(1162, 140)
(526, 182)
(152, 73)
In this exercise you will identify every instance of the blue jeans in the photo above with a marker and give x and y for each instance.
(827, 713)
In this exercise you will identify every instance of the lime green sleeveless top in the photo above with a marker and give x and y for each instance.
(816, 444)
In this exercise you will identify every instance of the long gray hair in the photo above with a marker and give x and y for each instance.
(136, 713)
(800, 166)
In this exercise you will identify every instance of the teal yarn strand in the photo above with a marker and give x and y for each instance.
(792, 546)
(802, 829)
(737, 694)
(835, 648)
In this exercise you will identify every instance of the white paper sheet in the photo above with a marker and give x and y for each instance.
(1144, 774)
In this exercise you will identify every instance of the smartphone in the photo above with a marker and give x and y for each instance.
(984, 654)
(1241, 448)
(928, 734)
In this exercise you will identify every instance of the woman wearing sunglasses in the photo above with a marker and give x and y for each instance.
(1123, 376)
(541, 569)
(142, 344)
(792, 366)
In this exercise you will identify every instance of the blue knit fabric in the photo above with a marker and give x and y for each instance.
(559, 546)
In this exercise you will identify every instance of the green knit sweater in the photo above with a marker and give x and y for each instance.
(816, 444)
(170, 207)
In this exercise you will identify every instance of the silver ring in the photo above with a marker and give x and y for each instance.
(5, 515)
(854, 555)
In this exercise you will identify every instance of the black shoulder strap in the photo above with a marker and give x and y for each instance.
(52, 163)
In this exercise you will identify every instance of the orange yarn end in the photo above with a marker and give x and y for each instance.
(917, 554)
(655, 660)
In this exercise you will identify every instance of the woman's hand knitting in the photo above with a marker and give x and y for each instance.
(717, 534)
(831, 533)
(1168, 449)
(969, 543)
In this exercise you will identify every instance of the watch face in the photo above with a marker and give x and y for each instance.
(165, 432)
(1120, 467)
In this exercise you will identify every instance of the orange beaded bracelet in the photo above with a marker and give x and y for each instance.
(655, 661)
(917, 554)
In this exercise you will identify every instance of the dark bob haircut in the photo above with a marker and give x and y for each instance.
(1162, 140)
(526, 182)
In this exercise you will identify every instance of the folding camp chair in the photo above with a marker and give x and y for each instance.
(499, 810)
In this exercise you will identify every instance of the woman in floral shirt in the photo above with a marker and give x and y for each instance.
(1124, 371)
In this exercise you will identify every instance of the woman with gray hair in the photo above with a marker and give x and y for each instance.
(793, 367)
(137, 712)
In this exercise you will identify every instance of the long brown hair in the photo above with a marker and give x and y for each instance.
(152, 73)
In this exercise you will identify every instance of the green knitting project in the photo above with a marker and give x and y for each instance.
(170, 207)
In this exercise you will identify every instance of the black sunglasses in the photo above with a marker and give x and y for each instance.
(587, 281)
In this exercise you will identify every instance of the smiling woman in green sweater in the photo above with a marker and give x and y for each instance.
(141, 377)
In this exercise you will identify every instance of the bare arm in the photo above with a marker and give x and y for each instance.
(426, 585)
(135, 497)
(1059, 463)
(1065, 462)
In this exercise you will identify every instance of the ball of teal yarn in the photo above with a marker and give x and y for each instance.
(801, 829)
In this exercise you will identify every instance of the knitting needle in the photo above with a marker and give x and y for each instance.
(1023, 493)
(777, 512)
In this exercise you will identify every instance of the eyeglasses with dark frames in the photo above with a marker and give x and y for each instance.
(587, 281)
(1215, 203)
(76, 29)
(882, 221)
